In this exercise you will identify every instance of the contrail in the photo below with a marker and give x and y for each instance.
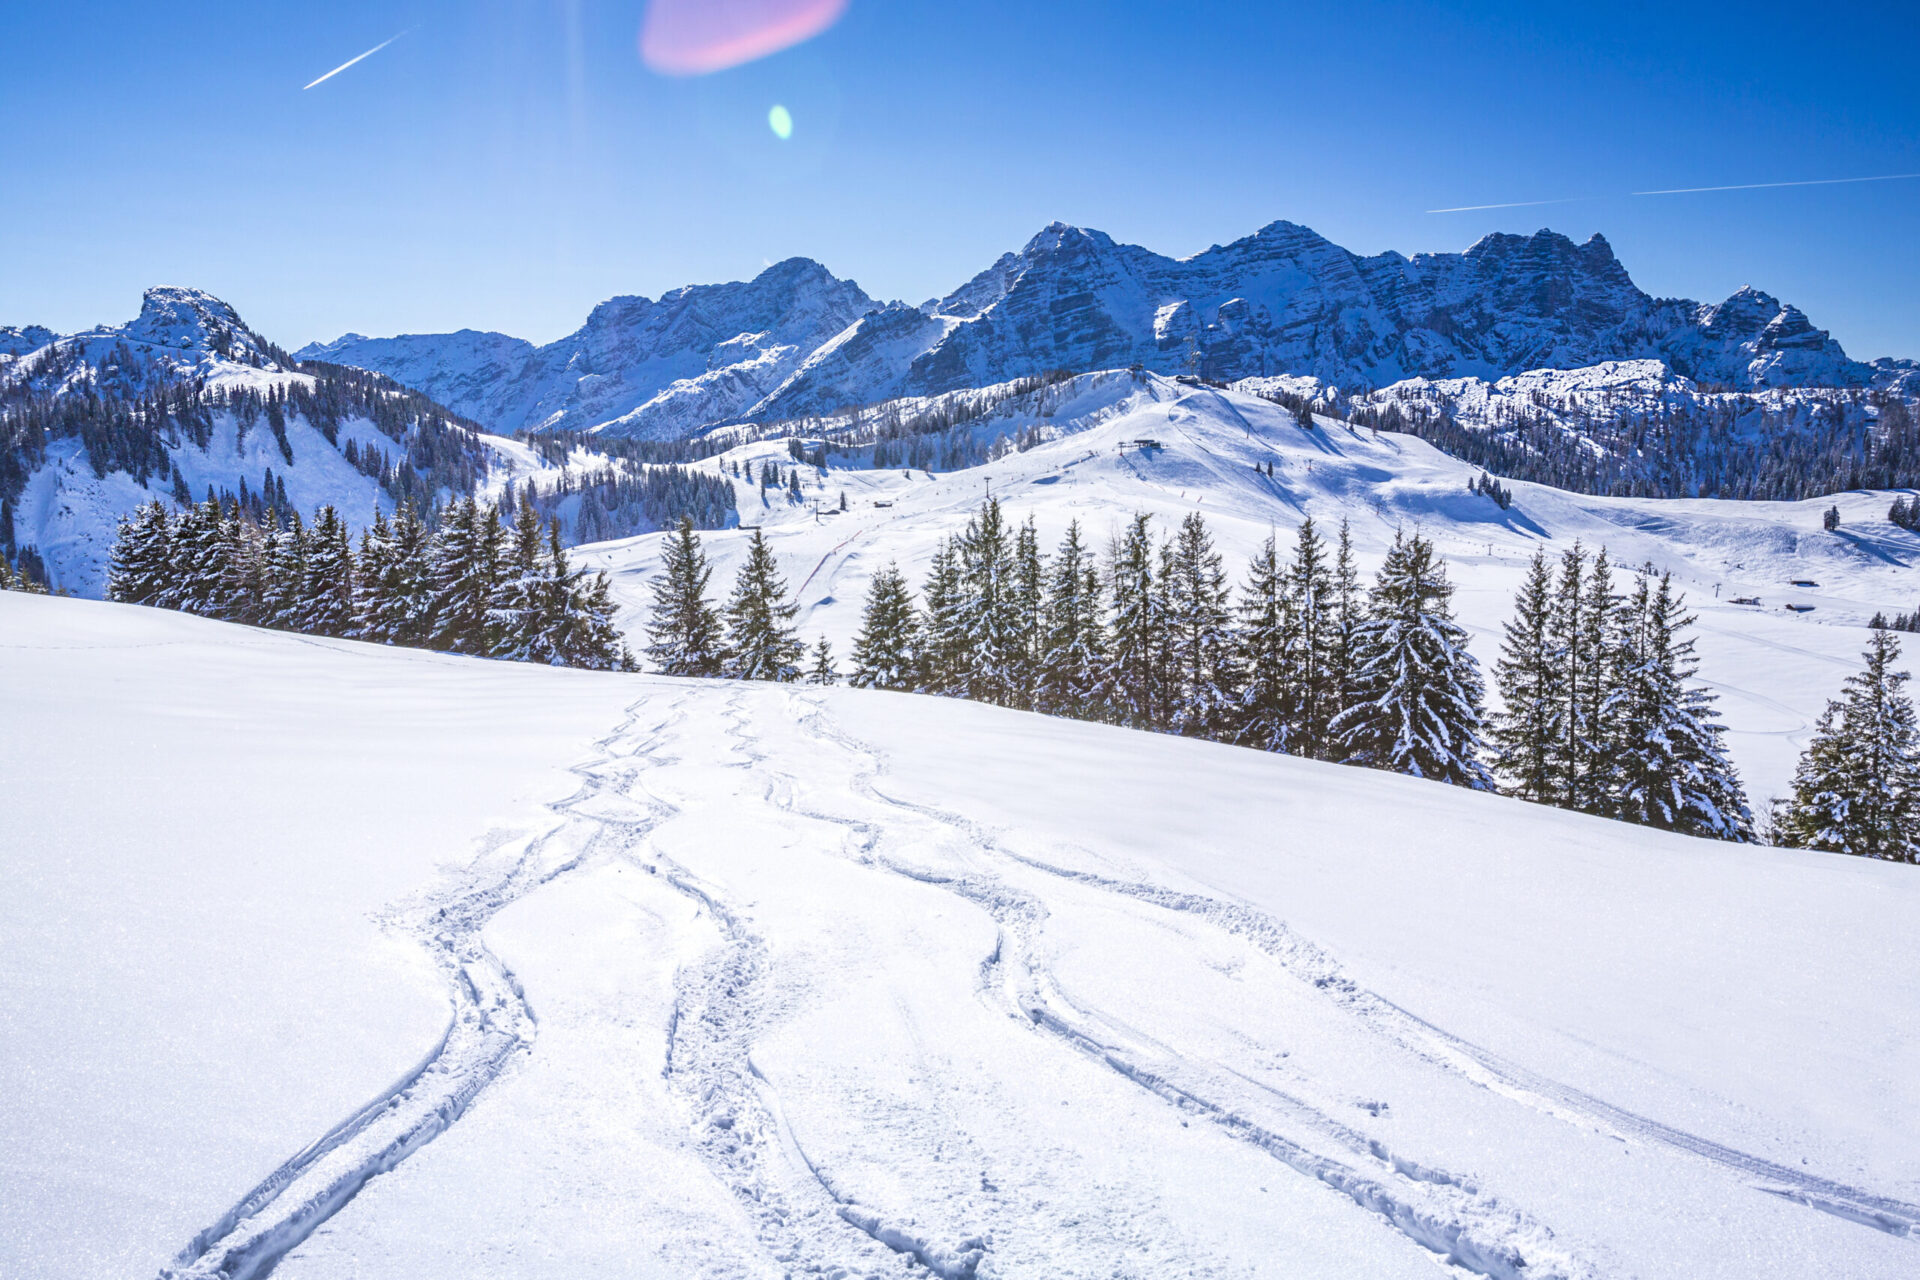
(1515, 204)
(350, 61)
(1755, 186)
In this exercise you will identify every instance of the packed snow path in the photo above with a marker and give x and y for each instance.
(903, 1042)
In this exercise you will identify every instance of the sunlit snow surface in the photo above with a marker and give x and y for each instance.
(759, 981)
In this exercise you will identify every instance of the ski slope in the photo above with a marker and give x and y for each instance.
(345, 961)
(1773, 668)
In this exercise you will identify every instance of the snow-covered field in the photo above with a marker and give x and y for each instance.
(1774, 668)
(615, 975)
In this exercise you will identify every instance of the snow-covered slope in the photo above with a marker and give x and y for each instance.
(1283, 300)
(638, 367)
(790, 982)
(1774, 668)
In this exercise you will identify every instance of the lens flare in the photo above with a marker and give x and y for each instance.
(780, 120)
(695, 37)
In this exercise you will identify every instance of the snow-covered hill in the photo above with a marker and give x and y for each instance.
(1774, 667)
(797, 341)
(570, 974)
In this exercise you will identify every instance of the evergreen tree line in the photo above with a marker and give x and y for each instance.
(1728, 446)
(478, 579)
(626, 498)
(1905, 512)
(1147, 634)
(131, 416)
(1601, 714)
(12, 579)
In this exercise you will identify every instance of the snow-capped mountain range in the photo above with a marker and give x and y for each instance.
(798, 341)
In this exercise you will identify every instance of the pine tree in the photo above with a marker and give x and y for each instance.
(463, 568)
(1668, 755)
(1028, 597)
(1311, 637)
(393, 596)
(197, 563)
(1595, 788)
(137, 571)
(1419, 688)
(284, 554)
(885, 654)
(1072, 658)
(528, 597)
(1857, 788)
(1525, 739)
(683, 632)
(1349, 611)
(760, 642)
(1261, 718)
(325, 605)
(823, 670)
(943, 639)
(1137, 629)
(988, 664)
(580, 631)
(1199, 666)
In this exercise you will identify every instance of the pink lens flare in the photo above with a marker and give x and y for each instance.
(695, 37)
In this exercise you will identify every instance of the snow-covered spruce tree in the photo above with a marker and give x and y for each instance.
(823, 671)
(1857, 788)
(326, 591)
(392, 595)
(197, 564)
(1072, 658)
(1349, 611)
(1596, 786)
(137, 570)
(247, 569)
(1525, 735)
(1135, 683)
(1311, 697)
(283, 552)
(1260, 639)
(988, 663)
(529, 599)
(1418, 709)
(942, 639)
(1200, 674)
(463, 566)
(683, 629)
(1028, 604)
(1667, 756)
(1582, 629)
(761, 643)
(580, 630)
(885, 653)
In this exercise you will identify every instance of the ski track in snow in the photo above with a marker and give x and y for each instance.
(491, 1022)
(806, 1221)
(1021, 915)
(1445, 1215)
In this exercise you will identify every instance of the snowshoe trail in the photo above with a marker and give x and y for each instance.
(1433, 1209)
(491, 1022)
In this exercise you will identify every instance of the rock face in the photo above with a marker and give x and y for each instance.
(796, 340)
(661, 368)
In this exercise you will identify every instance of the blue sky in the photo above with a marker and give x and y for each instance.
(506, 164)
